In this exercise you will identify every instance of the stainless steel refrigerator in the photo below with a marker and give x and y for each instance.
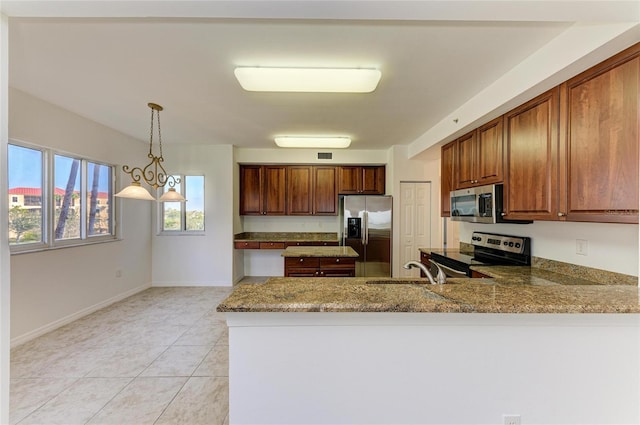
(366, 227)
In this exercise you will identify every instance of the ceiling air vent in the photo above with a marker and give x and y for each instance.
(325, 155)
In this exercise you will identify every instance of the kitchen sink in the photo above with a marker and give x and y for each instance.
(397, 281)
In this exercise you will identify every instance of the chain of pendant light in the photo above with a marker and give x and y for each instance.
(153, 173)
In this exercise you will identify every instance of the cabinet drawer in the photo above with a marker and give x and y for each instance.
(336, 272)
(292, 262)
(325, 243)
(299, 243)
(271, 245)
(341, 262)
(302, 272)
(246, 245)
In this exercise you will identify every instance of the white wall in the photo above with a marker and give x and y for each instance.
(5, 262)
(200, 260)
(310, 156)
(432, 368)
(50, 288)
(423, 167)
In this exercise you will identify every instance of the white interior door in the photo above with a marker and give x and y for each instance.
(415, 230)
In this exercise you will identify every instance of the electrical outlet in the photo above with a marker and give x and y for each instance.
(118, 273)
(582, 246)
(511, 419)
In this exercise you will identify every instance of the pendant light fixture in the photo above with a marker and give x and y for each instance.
(153, 173)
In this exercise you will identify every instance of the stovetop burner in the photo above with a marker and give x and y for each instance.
(488, 249)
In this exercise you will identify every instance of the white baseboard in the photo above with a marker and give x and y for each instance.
(194, 283)
(75, 316)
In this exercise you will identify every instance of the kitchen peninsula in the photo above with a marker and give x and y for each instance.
(371, 350)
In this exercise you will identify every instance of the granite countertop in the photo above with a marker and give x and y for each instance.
(286, 237)
(319, 251)
(532, 294)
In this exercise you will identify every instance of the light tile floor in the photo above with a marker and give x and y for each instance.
(158, 357)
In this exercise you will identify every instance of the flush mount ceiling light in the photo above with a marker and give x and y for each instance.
(309, 80)
(153, 173)
(312, 142)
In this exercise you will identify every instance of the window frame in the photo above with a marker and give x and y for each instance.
(48, 206)
(181, 187)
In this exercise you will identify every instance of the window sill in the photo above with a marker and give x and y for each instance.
(41, 248)
(179, 233)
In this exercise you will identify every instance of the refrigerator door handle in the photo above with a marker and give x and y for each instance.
(365, 236)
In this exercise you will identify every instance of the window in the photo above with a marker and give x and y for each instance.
(57, 199)
(187, 216)
(26, 184)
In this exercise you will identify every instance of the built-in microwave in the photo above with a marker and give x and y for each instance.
(482, 204)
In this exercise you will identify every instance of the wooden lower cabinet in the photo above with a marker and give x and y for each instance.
(246, 245)
(426, 260)
(272, 245)
(316, 243)
(319, 267)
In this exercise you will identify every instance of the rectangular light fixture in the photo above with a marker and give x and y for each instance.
(309, 80)
(313, 142)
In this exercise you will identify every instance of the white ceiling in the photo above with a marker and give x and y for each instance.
(108, 65)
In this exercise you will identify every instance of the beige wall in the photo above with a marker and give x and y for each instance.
(50, 288)
(206, 259)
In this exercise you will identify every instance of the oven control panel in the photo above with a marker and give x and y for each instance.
(515, 244)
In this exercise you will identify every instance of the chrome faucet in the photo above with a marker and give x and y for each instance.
(440, 278)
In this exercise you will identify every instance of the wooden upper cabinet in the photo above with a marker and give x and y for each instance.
(325, 190)
(300, 190)
(262, 190)
(274, 190)
(490, 156)
(361, 180)
(251, 190)
(600, 123)
(532, 159)
(465, 166)
(447, 177)
(480, 156)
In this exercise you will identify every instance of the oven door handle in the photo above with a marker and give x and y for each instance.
(453, 272)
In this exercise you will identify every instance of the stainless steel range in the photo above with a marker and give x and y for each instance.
(488, 249)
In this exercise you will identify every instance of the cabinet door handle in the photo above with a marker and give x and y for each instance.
(503, 214)
(301, 260)
(561, 214)
(337, 260)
